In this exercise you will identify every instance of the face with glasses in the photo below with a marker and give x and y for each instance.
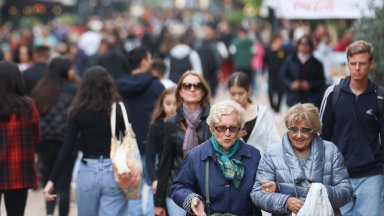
(191, 89)
(226, 131)
(300, 136)
(359, 66)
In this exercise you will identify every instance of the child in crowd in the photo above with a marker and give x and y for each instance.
(165, 107)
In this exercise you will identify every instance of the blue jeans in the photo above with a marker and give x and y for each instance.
(173, 209)
(144, 206)
(367, 197)
(97, 191)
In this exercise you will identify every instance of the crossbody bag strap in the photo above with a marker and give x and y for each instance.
(207, 200)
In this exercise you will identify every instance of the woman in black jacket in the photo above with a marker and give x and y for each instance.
(53, 95)
(183, 131)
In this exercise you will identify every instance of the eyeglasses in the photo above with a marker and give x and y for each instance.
(188, 86)
(222, 128)
(305, 131)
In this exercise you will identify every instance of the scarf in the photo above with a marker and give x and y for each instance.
(193, 121)
(232, 168)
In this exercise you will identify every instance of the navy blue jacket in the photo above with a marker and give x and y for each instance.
(140, 93)
(353, 126)
(225, 198)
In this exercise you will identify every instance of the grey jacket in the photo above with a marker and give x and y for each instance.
(325, 165)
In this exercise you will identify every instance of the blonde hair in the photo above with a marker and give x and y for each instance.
(225, 107)
(307, 112)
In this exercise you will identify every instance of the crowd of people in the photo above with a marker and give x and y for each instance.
(58, 84)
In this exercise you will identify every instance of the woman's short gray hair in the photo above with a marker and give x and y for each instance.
(307, 112)
(225, 107)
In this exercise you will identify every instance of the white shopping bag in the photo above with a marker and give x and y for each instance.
(316, 202)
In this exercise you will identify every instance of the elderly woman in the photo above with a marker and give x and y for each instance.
(287, 170)
(231, 166)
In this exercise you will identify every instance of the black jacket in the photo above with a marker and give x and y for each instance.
(311, 71)
(172, 158)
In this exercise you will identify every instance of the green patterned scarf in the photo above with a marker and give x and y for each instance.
(232, 168)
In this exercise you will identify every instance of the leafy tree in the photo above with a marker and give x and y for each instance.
(372, 30)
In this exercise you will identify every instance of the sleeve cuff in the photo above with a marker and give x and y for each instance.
(188, 201)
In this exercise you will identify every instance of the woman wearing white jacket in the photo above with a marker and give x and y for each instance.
(260, 129)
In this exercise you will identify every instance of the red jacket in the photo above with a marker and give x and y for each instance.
(18, 142)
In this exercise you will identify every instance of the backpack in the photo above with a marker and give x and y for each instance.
(178, 67)
(380, 98)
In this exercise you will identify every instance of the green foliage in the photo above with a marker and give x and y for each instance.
(372, 30)
(234, 17)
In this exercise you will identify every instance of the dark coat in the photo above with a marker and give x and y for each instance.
(172, 158)
(353, 126)
(224, 197)
(311, 71)
(140, 93)
(32, 76)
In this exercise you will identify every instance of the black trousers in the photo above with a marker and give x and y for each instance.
(15, 201)
(50, 150)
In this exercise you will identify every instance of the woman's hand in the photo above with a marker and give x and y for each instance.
(268, 187)
(48, 190)
(159, 211)
(197, 207)
(154, 186)
(294, 204)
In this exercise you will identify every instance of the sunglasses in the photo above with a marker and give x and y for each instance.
(188, 86)
(305, 131)
(222, 128)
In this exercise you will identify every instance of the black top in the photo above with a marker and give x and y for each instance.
(90, 132)
(154, 148)
(249, 125)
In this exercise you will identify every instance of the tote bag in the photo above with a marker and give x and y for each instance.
(125, 156)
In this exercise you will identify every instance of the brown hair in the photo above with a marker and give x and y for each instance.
(360, 46)
(240, 79)
(158, 112)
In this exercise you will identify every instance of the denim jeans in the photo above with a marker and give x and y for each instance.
(367, 198)
(144, 206)
(97, 191)
(173, 209)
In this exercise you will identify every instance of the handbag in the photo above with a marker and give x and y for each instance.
(125, 156)
(208, 201)
(317, 202)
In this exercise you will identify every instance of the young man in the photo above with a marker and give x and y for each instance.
(140, 91)
(353, 123)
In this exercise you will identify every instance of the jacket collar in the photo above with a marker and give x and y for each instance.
(345, 85)
(209, 152)
(315, 162)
